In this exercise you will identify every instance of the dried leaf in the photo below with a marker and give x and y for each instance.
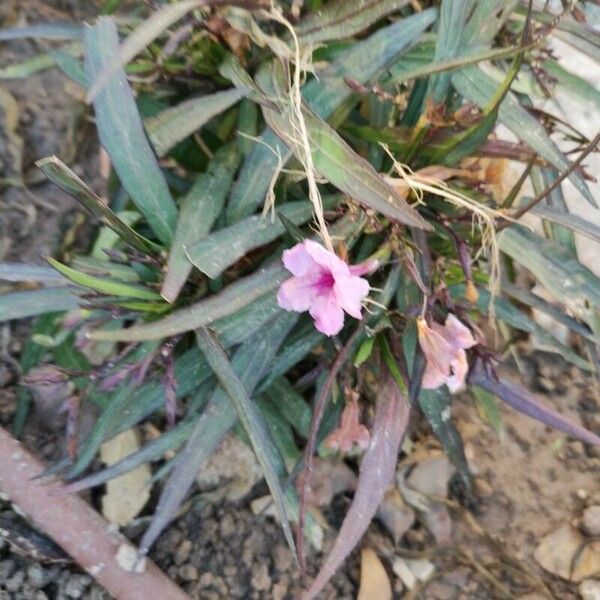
(374, 581)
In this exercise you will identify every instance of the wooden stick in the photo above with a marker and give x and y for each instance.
(75, 526)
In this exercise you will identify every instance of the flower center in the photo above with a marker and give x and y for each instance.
(325, 282)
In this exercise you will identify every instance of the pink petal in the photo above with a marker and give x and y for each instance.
(328, 315)
(437, 349)
(364, 268)
(296, 294)
(298, 261)
(458, 334)
(433, 377)
(349, 293)
(328, 260)
(460, 368)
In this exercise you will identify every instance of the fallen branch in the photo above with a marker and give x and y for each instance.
(75, 526)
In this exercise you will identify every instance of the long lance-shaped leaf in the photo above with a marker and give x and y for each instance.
(335, 160)
(104, 285)
(376, 472)
(478, 87)
(18, 272)
(43, 31)
(562, 275)
(361, 62)
(522, 400)
(573, 222)
(199, 210)
(122, 134)
(223, 248)
(19, 305)
(249, 362)
(233, 298)
(343, 19)
(252, 420)
(174, 124)
(453, 14)
(64, 178)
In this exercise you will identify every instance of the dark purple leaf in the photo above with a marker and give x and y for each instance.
(376, 473)
(522, 400)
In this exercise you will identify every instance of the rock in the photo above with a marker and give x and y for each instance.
(282, 558)
(7, 568)
(227, 526)
(411, 571)
(183, 552)
(76, 586)
(557, 550)
(591, 520)
(188, 573)
(395, 515)
(589, 589)
(15, 582)
(37, 576)
(261, 580)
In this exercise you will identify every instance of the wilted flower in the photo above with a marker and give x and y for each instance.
(324, 285)
(350, 430)
(444, 349)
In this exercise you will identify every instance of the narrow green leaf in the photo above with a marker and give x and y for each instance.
(174, 124)
(573, 222)
(122, 134)
(19, 305)
(252, 420)
(486, 20)
(220, 250)
(70, 65)
(478, 87)
(435, 405)
(147, 32)
(335, 160)
(343, 19)
(199, 210)
(281, 431)
(453, 14)
(43, 31)
(573, 84)
(362, 62)
(562, 275)
(290, 405)
(65, 179)
(249, 362)
(18, 272)
(38, 63)
(106, 286)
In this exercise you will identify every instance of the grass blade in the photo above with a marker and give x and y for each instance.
(253, 422)
(376, 472)
(573, 222)
(66, 180)
(174, 124)
(122, 134)
(199, 210)
(220, 250)
(43, 31)
(17, 272)
(343, 19)
(19, 305)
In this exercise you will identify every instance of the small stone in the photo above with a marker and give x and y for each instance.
(15, 582)
(7, 568)
(227, 526)
(188, 573)
(261, 580)
(282, 558)
(557, 551)
(589, 589)
(183, 552)
(280, 590)
(591, 520)
(76, 586)
(37, 576)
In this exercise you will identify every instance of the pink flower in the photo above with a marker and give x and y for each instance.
(350, 431)
(324, 285)
(444, 348)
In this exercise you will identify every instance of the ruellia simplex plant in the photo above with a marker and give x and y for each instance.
(308, 232)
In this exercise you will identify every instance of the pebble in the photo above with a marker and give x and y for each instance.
(15, 582)
(589, 589)
(591, 520)
(76, 586)
(183, 552)
(282, 558)
(37, 576)
(188, 573)
(261, 580)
